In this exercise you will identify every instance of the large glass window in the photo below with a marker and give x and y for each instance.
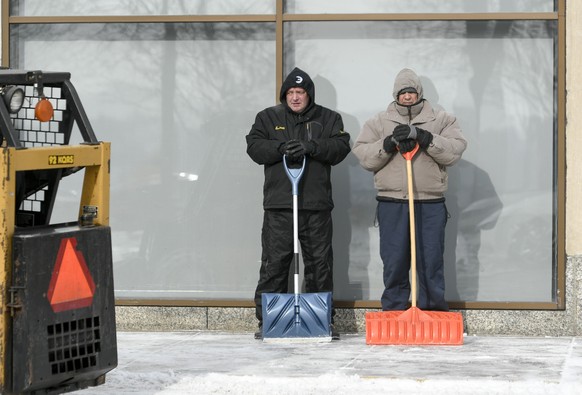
(498, 78)
(177, 99)
(176, 102)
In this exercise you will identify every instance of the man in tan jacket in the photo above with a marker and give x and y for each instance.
(411, 120)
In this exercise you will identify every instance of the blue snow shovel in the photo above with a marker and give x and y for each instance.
(296, 317)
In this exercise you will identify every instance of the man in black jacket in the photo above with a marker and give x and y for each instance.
(297, 128)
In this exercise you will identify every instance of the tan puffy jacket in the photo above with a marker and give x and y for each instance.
(429, 166)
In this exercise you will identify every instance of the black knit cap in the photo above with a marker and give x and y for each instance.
(297, 79)
(407, 90)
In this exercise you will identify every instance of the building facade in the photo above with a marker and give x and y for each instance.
(175, 85)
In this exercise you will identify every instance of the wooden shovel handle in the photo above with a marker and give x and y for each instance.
(408, 156)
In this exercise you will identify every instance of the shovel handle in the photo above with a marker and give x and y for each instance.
(408, 156)
(294, 175)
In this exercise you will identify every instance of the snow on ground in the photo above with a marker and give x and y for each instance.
(234, 363)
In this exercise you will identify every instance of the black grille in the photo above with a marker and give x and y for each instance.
(73, 345)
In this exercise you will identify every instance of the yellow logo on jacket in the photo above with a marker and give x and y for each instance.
(279, 127)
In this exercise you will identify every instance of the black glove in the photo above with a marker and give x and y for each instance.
(402, 132)
(288, 145)
(406, 145)
(423, 137)
(301, 148)
(390, 144)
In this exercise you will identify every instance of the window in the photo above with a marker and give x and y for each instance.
(175, 88)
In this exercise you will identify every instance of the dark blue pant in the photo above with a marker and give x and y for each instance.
(315, 237)
(431, 218)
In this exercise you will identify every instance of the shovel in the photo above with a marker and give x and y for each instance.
(413, 326)
(296, 317)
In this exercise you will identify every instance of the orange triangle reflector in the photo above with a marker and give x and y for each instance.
(71, 285)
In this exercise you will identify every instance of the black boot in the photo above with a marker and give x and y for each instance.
(259, 333)
(334, 334)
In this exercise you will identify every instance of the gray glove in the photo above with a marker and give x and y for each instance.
(402, 132)
(423, 137)
(390, 144)
(406, 145)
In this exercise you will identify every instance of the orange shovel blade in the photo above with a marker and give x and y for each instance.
(414, 326)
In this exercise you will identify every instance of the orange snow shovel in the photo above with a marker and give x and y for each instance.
(413, 326)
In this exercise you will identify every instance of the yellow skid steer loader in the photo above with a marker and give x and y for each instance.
(57, 317)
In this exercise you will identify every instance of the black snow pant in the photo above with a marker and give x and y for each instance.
(315, 237)
(430, 218)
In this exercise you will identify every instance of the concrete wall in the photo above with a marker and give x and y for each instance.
(573, 128)
(574, 159)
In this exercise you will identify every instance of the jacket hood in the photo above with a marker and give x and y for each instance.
(298, 78)
(407, 78)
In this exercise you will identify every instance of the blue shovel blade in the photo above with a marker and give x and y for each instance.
(292, 316)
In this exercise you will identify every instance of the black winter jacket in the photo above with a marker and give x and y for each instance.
(275, 125)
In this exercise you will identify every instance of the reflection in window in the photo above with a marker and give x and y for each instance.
(175, 101)
(497, 77)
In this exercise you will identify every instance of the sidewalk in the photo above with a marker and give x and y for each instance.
(235, 363)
